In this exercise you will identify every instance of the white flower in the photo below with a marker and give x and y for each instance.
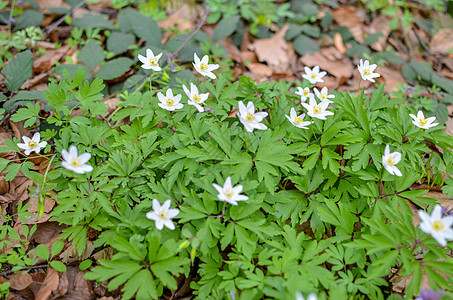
(162, 214)
(312, 296)
(195, 98)
(74, 162)
(203, 67)
(389, 160)
(249, 118)
(366, 70)
(32, 144)
(228, 193)
(316, 110)
(324, 94)
(439, 228)
(150, 61)
(297, 121)
(303, 93)
(169, 102)
(313, 75)
(421, 122)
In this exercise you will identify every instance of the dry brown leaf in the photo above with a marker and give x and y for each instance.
(260, 69)
(348, 16)
(276, 52)
(442, 41)
(339, 67)
(49, 203)
(338, 42)
(391, 77)
(50, 284)
(19, 129)
(49, 59)
(46, 231)
(71, 255)
(35, 219)
(105, 253)
(4, 185)
(379, 25)
(20, 281)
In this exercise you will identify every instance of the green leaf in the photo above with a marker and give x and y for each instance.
(22, 98)
(28, 18)
(226, 27)
(58, 265)
(85, 264)
(93, 21)
(12, 171)
(30, 114)
(42, 251)
(18, 70)
(145, 27)
(92, 54)
(305, 45)
(114, 68)
(56, 247)
(119, 42)
(141, 283)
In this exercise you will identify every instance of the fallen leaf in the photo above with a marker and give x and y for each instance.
(46, 231)
(442, 41)
(379, 25)
(338, 66)
(260, 69)
(50, 284)
(338, 42)
(20, 281)
(71, 254)
(276, 52)
(347, 16)
(49, 59)
(391, 77)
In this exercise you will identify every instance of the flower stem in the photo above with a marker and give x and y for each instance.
(193, 123)
(245, 140)
(198, 82)
(290, 136)
(360, 81)
(312, 130)
(415, 135)
(223, 210)
(151, 87)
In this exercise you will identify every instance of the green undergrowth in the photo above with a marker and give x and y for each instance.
(322, 215)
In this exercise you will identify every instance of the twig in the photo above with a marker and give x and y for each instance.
(54, 25)
(6, 273)
(172, 55)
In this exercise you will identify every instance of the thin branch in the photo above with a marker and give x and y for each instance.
(172, 55)
(54, 25)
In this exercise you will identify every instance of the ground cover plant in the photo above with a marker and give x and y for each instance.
(196, 182)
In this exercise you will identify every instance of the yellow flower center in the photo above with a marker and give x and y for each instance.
(32, 144)
(422, 121)
(170, 101)
(229, 194)
(162, 214)
(196, 98)
(323, 96)
(203, 67)
(153, 61)
(306, 92)
(75, 161)
(250, 117)
(391, 161)
(438, 225)
(366, 72)
(317, 109)
(298, 120)
(314, 75)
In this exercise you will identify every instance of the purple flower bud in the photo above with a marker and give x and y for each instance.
(426, 294)
(12, 20)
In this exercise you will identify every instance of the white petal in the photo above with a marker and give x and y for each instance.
(149, 53)
(73, 151)
(151, 215)
(169, 224)
(159, 224)
(85, 157)
(156, 205)
(166, 204)
(143, 59)
(437, 212)
(172, 212)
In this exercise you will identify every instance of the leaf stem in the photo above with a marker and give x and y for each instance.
(193, 123)
(312, 130)
(290, 136)
(245, 140)
(151, 87)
